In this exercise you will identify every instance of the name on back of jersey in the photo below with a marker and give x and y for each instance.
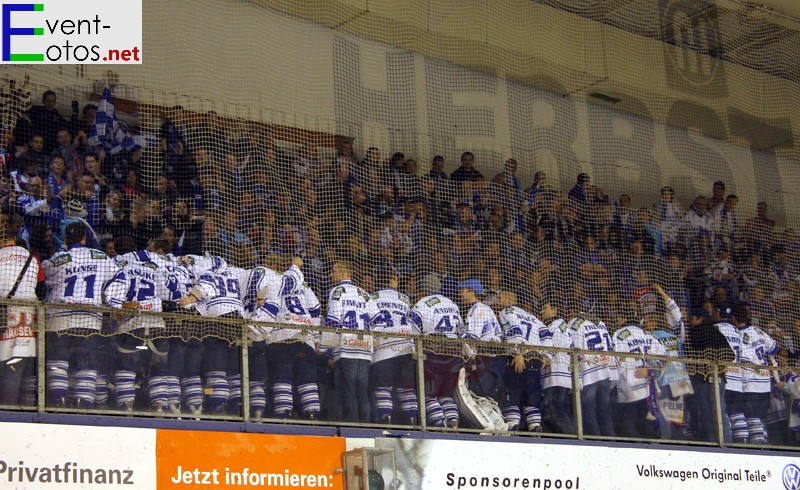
(151, 274)
(354, 303)
(82, 268)
(390, 305)
(446, 310)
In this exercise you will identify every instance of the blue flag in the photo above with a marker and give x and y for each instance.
(107, 132)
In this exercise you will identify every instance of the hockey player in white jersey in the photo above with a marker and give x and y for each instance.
(557, 411)
(291, 351)
(252, 281)
(440, 322)
(393, 371)
(757, 347)
(596, 373)
(140, 340)
(635, 387)
(523, 373)
(185, 349)
(486, 370)
(217, 295)
(259, 295)
(77, 276)
(734, 381)
(351, 311)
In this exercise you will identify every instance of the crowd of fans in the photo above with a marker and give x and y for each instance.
(206, 187)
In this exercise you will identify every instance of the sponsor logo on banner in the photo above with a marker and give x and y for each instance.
(445, 464)
(39, 456)
(791, 477)
(221, 460)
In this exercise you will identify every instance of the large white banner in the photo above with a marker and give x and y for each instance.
(462, 465)
(38, 456)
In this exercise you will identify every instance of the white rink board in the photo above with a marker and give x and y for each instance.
(38, 456)
(465, 465)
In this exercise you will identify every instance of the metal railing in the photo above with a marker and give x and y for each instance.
(707, 382)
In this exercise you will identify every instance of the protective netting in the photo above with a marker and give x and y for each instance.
(623, 166)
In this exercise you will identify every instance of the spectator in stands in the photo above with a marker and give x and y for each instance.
(755, 275)
(35, 151)
(392, 174)
(717, 195)
(721, 273)
(91, 167)
(697, 221)
(166, 192)
(578, 195)
(508, 177)
(725, 223)
(623, 218)
(410, 182)
(466, 172)
(84, 202)
(37, 205)
(645, 232)
(188, 229)
(675, 280)
(25, 172)
(595, 271)
(212, 194)
(539, 179)
(140, 226)
(115, 219)
(307, 161)
(668, 216)
(437, 168)
(57, 179)
(70, 150)
(86, 120)
(701, 255)
(367, 172)
(786, 287)
(46, 120)
(15, 102)
(760, 308)
(173, 145)
(758, 230)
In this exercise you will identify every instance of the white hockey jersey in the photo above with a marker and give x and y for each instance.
(77, 276)
(557, 372)
(587, 335)
(218, 290)
(632, 339)
(297, 305)
(393, 311)
(733, 374)
(437, 315)
(351, 310)
(143, 282)
(18, 338)
(482, 324)
(757, 346)
(520, 327)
